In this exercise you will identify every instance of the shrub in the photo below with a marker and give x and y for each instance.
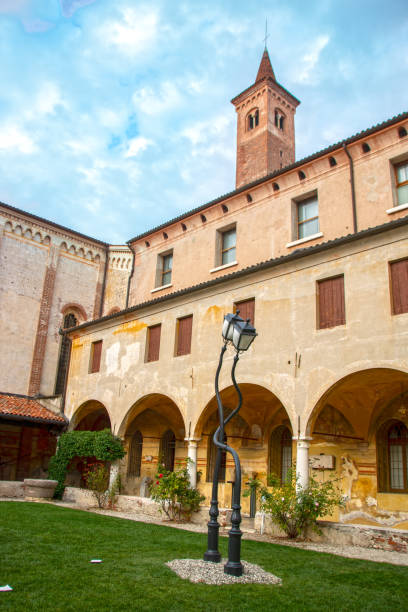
(97, 480)
(173, 492)
(102, 445)
(295, 509)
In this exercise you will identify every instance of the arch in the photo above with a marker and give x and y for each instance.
(359, 394)
(38, 237)
(47, 240)
(28, 234)
(64, 246)
(8, 227)
(75, 308)
(279, 119)
(91, 415)
(81, 252)
(97, 258)
(159, 404)
(89, 255)
(18, 230)
(72, 249)
(69, 320)
(113, 311)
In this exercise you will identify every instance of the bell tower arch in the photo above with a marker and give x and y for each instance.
(265, 126)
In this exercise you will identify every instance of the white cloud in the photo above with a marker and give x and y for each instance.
(310, 59)
(131, 34)
(202, 131)
(136, 145)
(46, 100)
(13, 137)
(153, 102)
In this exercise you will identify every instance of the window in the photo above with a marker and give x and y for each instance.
(69, 321)
(211, 457)
(253, 119)
(280, 452)
(228, 246)
(279, 119)
(135, 454)
(399, 286)
(164, 269)
(96, 352)
(330, 302)
(307, 217)
(153, 342)
(246, 310)
(184, 329)
(392, 457)
(401, 175)
(167, 450)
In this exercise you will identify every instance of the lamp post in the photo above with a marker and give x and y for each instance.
(240, 334)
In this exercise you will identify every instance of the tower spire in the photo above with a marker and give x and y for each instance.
(265, 67)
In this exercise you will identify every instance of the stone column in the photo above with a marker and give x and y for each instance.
(302, 461)
(192, 465)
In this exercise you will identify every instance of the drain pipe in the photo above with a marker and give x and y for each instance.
(353, 190)
(130, 275)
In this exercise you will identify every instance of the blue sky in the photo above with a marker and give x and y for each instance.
(115, 116)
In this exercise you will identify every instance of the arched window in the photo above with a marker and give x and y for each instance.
(167, 450)
(279, 119)
(135, 454)
(392, 457)
(253, 119)
(70, 320)
(211, 456)
(280, 452)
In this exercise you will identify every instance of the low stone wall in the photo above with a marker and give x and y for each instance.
(131, 503)
(11, 488)
(383, 538)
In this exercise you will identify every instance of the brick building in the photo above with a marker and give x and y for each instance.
(315, 252)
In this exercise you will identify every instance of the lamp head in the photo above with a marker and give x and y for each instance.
(243, 334)
(228, 325)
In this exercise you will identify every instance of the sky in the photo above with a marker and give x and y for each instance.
(115, 115)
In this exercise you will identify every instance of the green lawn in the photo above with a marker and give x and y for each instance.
(45, 552)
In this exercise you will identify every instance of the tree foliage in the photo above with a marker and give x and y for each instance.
(173, 492)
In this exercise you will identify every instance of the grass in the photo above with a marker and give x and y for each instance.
(45, 552)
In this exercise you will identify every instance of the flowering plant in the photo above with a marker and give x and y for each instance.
(97, 480)
(294, 508)
(177, 498)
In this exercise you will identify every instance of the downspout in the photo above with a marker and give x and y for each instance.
(105, 273)
(64, 393)
(130, 275)
(353, 189)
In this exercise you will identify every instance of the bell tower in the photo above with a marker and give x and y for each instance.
(265, 126)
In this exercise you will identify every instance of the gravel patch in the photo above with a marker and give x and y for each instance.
(197, 570)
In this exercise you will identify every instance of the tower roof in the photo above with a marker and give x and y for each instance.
(265, 68)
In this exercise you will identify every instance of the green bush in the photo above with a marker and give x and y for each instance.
(295, 509)
(173, 492)
(102, 445)
(97, 481)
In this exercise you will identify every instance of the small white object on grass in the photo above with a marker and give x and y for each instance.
(96, 560)
(6, 588)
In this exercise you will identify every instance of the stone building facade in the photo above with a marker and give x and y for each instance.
(315, 253)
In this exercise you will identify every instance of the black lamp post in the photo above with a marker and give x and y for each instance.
(240, 334)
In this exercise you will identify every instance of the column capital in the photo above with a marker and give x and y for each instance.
(302, 438)
(192, 440)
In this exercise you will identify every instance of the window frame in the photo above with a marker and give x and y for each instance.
(246, 301)
(392, 289)
(95, 362)
(178, 348)
(161, 271)
(319, 282)
(301, 202)
(403, 183)
(148, 337)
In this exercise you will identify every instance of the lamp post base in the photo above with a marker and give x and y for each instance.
(212, 555)
(233, 569)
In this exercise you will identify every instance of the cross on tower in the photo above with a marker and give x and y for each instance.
(266, 32)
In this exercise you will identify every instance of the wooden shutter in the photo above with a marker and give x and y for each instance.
(399, 286)
(185, 326)
(246, 310)
(153, 340)
(331, 309)
(96, 356)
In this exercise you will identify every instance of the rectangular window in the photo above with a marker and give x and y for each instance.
(401, 175)
(307, 217)
(399, 286)
(330, 302)
(153, 342)
(184, 329)
(164, 269)
(228, 246)
(95, 361)
(246, 310)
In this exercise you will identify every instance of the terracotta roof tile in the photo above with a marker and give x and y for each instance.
(23, 407)
(265, 68)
